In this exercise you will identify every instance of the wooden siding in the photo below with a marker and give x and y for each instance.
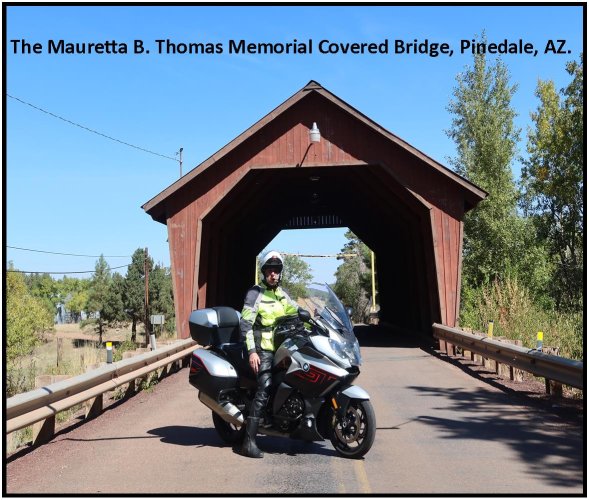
(447, 233)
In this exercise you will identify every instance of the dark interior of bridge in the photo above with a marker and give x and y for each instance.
(364, 199)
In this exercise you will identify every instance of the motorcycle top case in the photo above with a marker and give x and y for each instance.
(214, 326)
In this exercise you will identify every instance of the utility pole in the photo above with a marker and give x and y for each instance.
(146, 272)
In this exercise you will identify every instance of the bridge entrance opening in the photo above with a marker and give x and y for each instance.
(332, 255)
(244, 222)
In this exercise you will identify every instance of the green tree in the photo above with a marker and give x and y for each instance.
(72, 289)
(44, 287)
(77, 303)
(161, 295)
(553, 183)
(27, 317)
(134, 296)
(114, 310)
(353, 277)
(497, 242)
(296, 276)
(105, 298)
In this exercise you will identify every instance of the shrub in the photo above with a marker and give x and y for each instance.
(517, 317)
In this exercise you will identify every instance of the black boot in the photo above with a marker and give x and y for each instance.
(249, 447)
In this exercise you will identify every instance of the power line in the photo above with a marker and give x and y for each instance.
(69, 254)
(62, 272)
(88, 129)
(322, 256)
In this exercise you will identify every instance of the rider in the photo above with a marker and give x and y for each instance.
(263, 305)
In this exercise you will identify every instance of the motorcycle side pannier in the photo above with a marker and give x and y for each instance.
(214, 326)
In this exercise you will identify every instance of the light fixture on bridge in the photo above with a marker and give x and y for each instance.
(314, 134)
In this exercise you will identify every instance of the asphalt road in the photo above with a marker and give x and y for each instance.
(439, 431)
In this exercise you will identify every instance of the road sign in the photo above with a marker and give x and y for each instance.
(157, 319)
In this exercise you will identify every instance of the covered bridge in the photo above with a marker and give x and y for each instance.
(405, 206)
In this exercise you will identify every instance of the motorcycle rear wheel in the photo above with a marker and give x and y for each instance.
(229, 433)
(352, 437)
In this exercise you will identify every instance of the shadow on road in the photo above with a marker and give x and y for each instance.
(195, 436)
(380, 336)
(551, 450)
(293, 447)
(183, 435)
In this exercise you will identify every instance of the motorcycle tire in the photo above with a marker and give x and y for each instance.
(354, 439)
(229, 433)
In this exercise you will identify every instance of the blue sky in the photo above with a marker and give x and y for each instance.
(68, 190)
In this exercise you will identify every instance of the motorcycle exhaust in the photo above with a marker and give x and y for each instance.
(226, 410)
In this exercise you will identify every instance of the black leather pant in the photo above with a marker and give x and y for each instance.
(264, 384)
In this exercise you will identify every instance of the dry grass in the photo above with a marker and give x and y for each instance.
(69, 349)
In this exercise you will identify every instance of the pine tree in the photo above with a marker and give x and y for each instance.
(134, 296)
(161, 296)
(98, 296)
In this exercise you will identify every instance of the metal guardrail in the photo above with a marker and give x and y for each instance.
(34, 406)
(555, 368)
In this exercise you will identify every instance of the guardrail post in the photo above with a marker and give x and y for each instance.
(130, 389)
(94, 407)
(163, 372)
(554, 388)
(487, 362)
(44, 431)
(186, 362)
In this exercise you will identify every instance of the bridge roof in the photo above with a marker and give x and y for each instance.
(156, 207)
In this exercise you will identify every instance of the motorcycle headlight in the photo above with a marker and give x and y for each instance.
(347, 351)
(338, 349)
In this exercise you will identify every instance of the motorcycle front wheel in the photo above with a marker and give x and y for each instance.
(353, 435)
(229, 433)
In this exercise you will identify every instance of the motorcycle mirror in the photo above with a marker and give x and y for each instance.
(304, 315)
(349, 311)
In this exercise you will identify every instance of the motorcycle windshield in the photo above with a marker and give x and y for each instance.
(326, 304)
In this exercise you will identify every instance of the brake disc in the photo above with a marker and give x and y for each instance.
(351, 431)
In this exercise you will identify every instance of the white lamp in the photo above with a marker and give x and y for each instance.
(314, 134)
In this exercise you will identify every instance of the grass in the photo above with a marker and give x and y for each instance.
(516, 317)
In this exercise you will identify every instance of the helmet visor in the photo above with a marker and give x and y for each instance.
(273, 269)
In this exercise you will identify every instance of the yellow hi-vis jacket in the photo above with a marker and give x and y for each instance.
(262, 307)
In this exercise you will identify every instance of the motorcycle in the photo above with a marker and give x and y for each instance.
(312, 396)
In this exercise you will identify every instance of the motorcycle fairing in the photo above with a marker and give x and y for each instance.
(342, 398)
(356, 392)
(313, 376)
